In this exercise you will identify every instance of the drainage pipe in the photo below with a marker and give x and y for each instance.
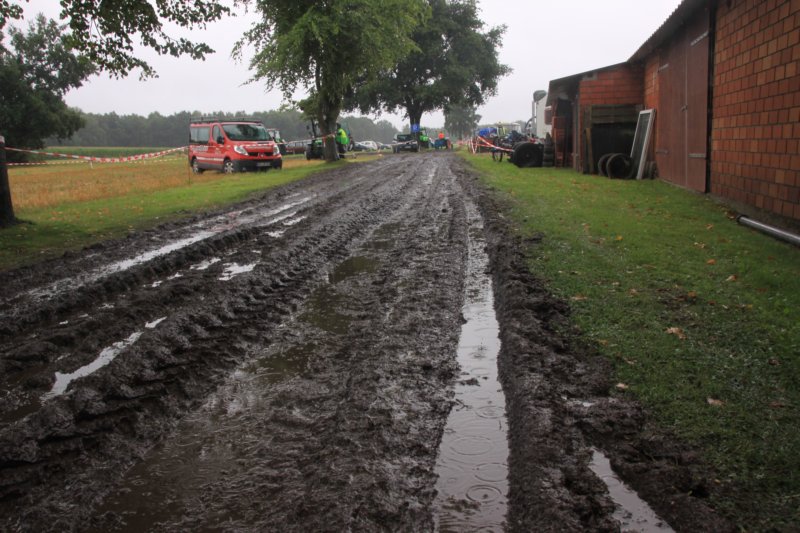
(769, 230)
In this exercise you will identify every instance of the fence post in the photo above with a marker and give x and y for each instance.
(6, 208)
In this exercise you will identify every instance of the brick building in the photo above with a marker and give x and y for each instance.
(724, 79)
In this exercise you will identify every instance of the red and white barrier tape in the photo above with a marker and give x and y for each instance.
(138, 157)
(486, 143)
(60, 162)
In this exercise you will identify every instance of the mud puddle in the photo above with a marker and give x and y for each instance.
(214, 448)
(472, 463)
(210, 445)
(632, 513)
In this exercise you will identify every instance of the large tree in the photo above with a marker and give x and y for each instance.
(325, 47)
(455, 64)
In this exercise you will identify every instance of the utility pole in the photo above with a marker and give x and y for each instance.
(6, 207)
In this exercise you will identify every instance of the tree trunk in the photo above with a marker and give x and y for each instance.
(415, 117)
(328, 113)
(7, 217)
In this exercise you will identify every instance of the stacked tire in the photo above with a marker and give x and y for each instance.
(527, 154)
(616, 166)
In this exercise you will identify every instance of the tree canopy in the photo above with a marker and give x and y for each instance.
(325, 47)
(106, 31)
(454, 64)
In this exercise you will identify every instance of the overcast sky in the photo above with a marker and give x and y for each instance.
(543, 41)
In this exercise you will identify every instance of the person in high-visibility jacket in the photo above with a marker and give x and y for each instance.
(341, 139)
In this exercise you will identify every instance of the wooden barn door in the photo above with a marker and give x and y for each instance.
(696, 111)
(682, 118)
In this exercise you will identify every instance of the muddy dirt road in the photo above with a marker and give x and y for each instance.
(290, 364)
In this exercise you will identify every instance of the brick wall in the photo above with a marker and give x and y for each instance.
(620, 85)
(651, 81)
(755, 141)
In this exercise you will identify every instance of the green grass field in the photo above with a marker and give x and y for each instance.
(699, 315)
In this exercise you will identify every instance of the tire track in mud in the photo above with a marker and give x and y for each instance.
(343, 429)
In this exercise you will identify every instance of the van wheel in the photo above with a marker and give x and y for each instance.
(227, 167)
(196, 166)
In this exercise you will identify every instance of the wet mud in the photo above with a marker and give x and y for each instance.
(293, 363)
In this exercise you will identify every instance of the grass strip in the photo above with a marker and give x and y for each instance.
(50, 231)
(699, 315)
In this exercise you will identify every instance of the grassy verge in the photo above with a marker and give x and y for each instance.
(50, 230)
(699, 315)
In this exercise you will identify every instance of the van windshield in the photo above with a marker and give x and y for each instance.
(246, 132)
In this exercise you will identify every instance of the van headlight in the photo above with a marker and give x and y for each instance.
(240, 150)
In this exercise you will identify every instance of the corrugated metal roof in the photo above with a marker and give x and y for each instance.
(682, 13)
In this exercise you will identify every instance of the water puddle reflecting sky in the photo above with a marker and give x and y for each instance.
(633, 513)
(106, 356)
(204, 231)
(473, 456)
(234, 269)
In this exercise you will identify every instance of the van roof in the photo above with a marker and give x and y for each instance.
(210, 120)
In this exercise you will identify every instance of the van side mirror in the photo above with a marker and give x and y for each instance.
(220, 140)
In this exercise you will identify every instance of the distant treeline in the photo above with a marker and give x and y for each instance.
(155, 129)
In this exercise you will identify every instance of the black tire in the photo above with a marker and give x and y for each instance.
(513, 152)
(528, 155)
(601, 164)
(196, 166)
(549, 157)
(619, 166)
(228, 167)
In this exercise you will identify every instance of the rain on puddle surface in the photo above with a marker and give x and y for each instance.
(201, 450)
(473, 456)
(633, 513)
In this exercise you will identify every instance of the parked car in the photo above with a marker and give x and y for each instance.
(365, 146)
(296, 147)
(231, 146)
(405, 142)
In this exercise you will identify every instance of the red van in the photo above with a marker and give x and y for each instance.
(231, 146)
